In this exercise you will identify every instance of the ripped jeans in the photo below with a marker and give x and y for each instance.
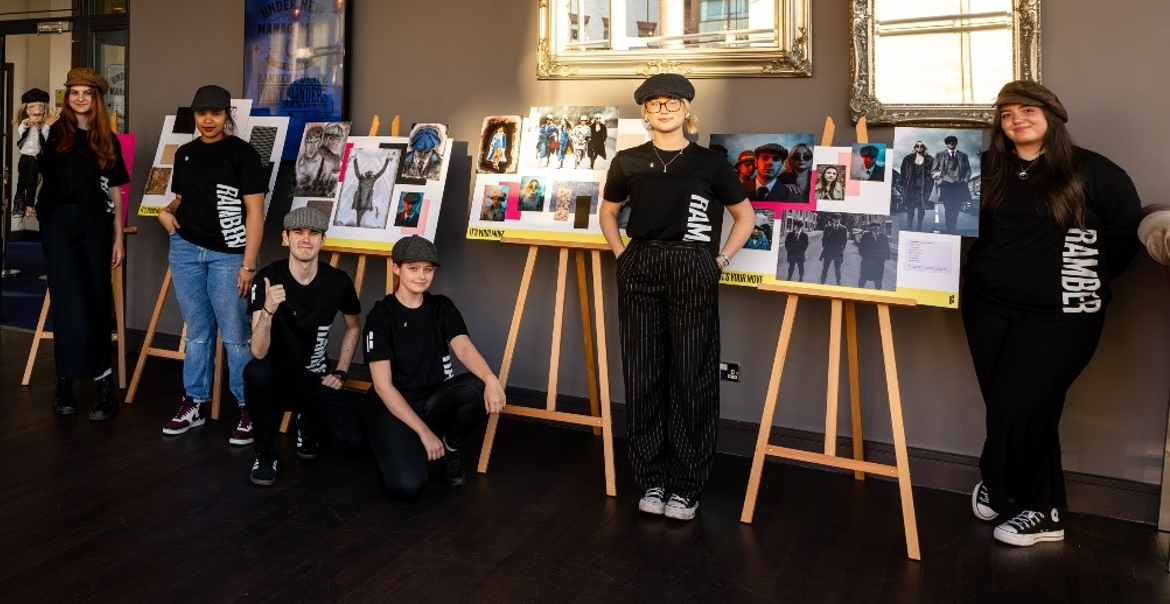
(205, 284)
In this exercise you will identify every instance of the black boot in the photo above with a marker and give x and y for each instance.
(452, 467)
(106, 406)
(63, 403)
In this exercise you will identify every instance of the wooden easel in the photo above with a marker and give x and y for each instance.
(363, 256)
(846, 302)
(119, 287)
(119, 334)
(600, 419)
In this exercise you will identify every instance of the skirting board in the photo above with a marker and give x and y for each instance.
(1087, 493)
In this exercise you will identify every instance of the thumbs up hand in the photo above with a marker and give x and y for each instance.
(273, 296)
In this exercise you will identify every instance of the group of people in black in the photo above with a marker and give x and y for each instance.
(1057, 222)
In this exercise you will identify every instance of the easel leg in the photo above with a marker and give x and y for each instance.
(148, 341)
(587, 332)
(120, 321)
(36, 343)
(832, 398)
(749, 501)
(603, 372)
(854, 384)
(509, 348)
(899, 430)
(554, 362)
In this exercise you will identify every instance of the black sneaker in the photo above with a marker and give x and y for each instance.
(681, 508)
(453, 468)
(63, 402)
(653, 501)
(981, 503)
(264, 471)
(1029, 528)
(307, 446)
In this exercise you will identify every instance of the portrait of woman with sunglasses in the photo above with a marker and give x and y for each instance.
(797, 174)
(916, 183)
(668, 293)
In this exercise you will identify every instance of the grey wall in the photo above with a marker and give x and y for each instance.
(429, 65)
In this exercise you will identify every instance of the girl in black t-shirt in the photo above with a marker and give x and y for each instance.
(80, 211)
(215, 225)
(668, 293)
(1056, 222)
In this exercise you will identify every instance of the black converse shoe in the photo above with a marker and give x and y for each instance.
(453, 467)
(654, 501)
(264, 471)
(681, 508)
(981, 503)
(1029, 527)
(307, 446)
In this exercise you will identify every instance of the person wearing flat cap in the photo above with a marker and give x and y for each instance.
(32, 120)
(1056, 223)
(870, 167)
(215, 223)
(770, 161)
(952, 173)
(668, 293)
(598, 134)
(745, 168)
(418, 409)
(80, 212)
(293, 303)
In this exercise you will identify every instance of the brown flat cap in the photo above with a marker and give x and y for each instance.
(84, 76)
(1027, 92)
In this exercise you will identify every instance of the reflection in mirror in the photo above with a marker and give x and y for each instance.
(940, 62)
(700, 38)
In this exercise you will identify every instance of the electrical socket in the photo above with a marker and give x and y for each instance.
(729, 371)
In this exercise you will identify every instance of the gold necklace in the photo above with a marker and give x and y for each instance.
(665, 163)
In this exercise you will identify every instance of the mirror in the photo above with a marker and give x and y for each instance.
(939, 63)
(697, 38)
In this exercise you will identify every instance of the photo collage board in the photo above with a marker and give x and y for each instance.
(265, 133)
(542, 176)
(374, 190)
(865, 216)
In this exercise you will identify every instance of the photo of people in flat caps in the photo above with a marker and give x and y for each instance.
(772, 167)
(578, 137)
(936, 179)
(836, 248)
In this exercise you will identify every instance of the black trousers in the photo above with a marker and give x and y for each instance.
(452, 411)
(953, 195)
(78, 242)
(272, 389)
(27, 180)
(1025, 364)
(668, 310)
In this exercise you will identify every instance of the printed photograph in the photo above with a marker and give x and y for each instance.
(262, 138)
(532, 194)
(367, 188)
(495, 203)
(499, 145)
(869, 162)
(771, 167)
(157, 181)
(578, 191)
(409, 205)
(581, 137)
(168, 154)
(936, 179)
(835, 248)
(830, 182)
(763, 231)
(424, 154)
(318, 165)
(325, 206)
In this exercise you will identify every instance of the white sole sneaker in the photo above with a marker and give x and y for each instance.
(184, 429)
(980, 510)
(680, 512)
(1025, 540)
(652, 503)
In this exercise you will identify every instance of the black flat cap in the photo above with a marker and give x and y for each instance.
(36, 95)
(868, 151)
(211, 97)
(415, 249)
(665, 84)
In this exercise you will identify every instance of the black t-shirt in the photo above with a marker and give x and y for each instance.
(212, 179)
(1025, 260)
(300, 327)
(416, 341)
(75, 177)
(683, 204)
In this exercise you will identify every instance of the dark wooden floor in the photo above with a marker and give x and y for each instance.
(116, 512)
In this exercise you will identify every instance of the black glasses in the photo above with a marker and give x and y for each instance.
(919, 146)
(806, 156)
(669, 106)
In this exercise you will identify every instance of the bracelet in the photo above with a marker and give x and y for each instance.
(341, 374)
(265, 309)
(249, 269)
(724, 258)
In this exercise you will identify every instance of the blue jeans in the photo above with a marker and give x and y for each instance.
(205, 284)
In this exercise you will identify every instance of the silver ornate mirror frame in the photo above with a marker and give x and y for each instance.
(863, 103)
(790, 56)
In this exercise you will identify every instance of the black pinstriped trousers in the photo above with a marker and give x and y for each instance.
(668, 310)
